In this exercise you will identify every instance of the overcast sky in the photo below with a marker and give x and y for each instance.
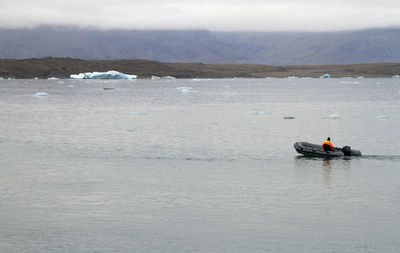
(229, 15)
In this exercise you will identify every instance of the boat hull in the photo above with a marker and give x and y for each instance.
(309, 149)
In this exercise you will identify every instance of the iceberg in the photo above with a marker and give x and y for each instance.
(332, 116)
(112, 74)
(168, 77)
(325, 76)
(41, 94)
(185, 90)
(257, 111)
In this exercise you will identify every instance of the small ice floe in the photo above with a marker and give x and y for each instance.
(292, 77)
(289, 117)
(360, 77)
(155, 78)
(325, 76)
(348, 82)
(168, 77)
(201, 79)
(112, 74)
(52, 78)
(41, 94)
(36, 78)
(136, 113)
(396, 76)
(257, 111)
(332, 116)
(185, 90)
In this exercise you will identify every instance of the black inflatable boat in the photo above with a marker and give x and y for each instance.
(309, 149)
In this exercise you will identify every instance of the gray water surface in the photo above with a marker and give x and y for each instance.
(198, 166)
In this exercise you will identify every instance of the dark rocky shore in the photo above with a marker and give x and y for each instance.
(64, 67)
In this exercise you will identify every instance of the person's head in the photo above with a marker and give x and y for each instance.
(328, 139)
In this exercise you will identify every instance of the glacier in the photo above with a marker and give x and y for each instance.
(112, 74)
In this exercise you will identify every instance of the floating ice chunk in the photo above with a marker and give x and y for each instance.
(396, 76)
(155, 78)
(136, 113)
(201, 79)
(41, 94)
(292, 77)
(52, 78)
(289, 117)
(360, 77)
(185, 90)
(332, 116)
(348, 82)
(257, 111)
(325, 76)
(78, 76)
(112, 74)
(168, 77)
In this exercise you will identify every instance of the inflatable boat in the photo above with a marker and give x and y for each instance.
(309, 149)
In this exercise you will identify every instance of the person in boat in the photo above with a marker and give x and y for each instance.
(327, 145)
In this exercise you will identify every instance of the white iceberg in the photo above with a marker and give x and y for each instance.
(332, 116)
(112, 74)
(257, 111)
(41, 94)
(185, 90)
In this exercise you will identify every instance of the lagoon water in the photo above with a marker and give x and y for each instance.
(198, 166)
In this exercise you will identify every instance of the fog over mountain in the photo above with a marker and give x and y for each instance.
(221, 15)
(274, 48)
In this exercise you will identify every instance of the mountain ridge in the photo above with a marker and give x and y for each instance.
(210, 47)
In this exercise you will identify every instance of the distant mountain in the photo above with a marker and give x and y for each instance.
(274, 48)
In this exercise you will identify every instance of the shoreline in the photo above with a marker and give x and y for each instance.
(44, 68)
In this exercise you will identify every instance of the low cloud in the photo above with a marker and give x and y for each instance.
(254, 15)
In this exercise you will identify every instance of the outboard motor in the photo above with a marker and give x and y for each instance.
(346, 150)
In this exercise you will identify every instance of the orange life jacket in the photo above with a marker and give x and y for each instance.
(328, 143)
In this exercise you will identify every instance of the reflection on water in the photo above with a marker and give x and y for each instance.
(326, 165)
